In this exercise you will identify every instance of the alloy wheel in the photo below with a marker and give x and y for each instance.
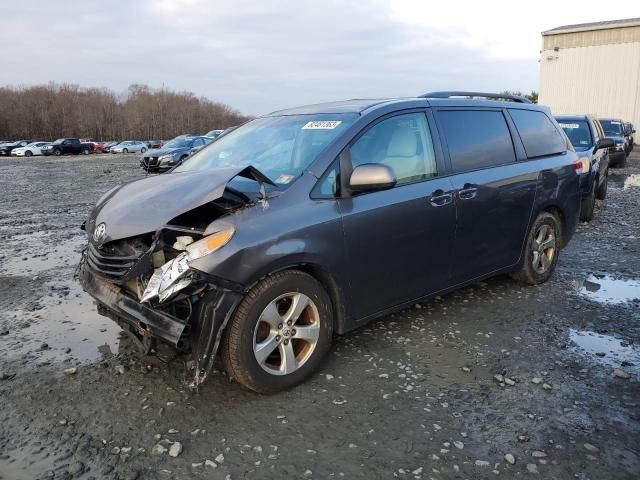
(543, 248)
(286, 333)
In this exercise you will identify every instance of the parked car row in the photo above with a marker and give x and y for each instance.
(75, 146)
(601, 143)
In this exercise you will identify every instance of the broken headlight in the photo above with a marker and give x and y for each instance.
(175, 275)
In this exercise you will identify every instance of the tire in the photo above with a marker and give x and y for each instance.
(588, 204)
(28, 153)
(527, 273)
(601, 193)
(273, 299)
(85, 151)
(125, 151)
(142, 150)
(57, 153)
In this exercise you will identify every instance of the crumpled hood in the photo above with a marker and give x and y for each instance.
(146, 205)
(159, 152)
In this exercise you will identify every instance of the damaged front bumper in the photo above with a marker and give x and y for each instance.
(200, 335)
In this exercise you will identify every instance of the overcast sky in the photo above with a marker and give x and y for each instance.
(263, 55)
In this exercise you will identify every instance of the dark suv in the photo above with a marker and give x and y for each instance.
(312, 221)
(65, 146)
(614, 129)
(589, 141)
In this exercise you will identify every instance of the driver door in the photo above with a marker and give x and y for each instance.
(399, 241)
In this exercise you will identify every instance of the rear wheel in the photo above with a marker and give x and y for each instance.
(280, 332)
(601, 193)
(541, 251)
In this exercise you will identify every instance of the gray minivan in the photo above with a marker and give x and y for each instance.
(312, 221)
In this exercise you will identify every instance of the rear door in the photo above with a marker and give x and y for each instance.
(494, 193)
(399, 241)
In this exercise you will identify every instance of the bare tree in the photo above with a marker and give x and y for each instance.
(65, 110)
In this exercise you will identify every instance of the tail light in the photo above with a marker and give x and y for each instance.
(582, 165)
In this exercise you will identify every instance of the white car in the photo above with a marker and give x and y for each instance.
(34, 148)
(130, 146)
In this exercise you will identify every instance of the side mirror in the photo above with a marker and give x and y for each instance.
(605, 143)
(372, 176)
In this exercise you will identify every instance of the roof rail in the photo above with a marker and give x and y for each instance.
(496, 96)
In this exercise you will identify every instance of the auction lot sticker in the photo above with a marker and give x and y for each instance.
(322, 125)
(569, 125)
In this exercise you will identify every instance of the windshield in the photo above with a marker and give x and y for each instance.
(578, 132)
(178, 143)
(59, 141)
(280, 147)
(611, 127)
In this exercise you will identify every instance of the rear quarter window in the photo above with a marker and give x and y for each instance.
(476, 139)
(539, 135)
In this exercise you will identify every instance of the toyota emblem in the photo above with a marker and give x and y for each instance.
(100, 232)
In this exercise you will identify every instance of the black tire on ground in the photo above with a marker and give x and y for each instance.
(57, 153)
(547, 226)
(142, 150)
(601, 193)
(28, 153)
(588, 204)
(124, 150)
(85, 151)
(237, 350)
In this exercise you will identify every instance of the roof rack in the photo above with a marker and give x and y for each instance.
(497, 96)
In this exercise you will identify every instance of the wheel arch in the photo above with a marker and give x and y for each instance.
(556, 211)
(320, 273)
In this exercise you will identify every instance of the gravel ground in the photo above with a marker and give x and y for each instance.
(496, 379)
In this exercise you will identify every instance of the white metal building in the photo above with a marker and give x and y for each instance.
(592, 68)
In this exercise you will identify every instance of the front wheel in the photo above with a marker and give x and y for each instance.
(588, 204)
(142, 150)
(85, 151)
(124, 150)
(541, 251)
(280, 332)
(57, 153)
(28, 153)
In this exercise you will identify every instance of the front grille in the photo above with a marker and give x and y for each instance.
(114, 267)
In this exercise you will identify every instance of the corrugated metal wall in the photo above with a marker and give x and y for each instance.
(603, 80)
(591, 38)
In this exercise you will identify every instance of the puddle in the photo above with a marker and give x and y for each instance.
(39, 252)
(624, 181)
(607, 289)
(607, 350)
(67, 321)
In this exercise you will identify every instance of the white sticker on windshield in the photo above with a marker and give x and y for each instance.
(284, 178)
(569, 125)
(322, 125)
(614, 123)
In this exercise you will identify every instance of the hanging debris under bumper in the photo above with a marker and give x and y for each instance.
(201, 335)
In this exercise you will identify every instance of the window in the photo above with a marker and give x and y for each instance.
(328, 186)
(282, 147)
(578, 132)
(477, 139)
(539, 135)
(198, 142)
(403, 143)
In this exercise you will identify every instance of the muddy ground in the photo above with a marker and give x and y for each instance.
(414, 395)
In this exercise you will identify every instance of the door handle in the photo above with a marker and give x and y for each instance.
(440, 198)
(468, 191)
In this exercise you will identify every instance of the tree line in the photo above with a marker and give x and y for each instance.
(47, 112)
